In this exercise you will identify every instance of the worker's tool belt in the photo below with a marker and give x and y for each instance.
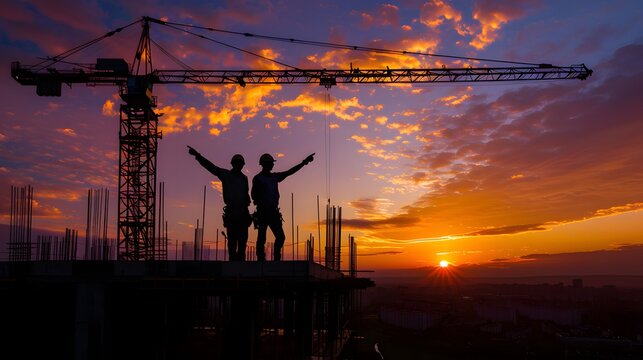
(263, 217)
(236, 217)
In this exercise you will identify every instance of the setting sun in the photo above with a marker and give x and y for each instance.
(444, 263)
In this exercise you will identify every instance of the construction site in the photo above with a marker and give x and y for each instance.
(186, 309)
(96, 297)
(90, 305)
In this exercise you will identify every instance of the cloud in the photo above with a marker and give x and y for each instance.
(178, 118)
(404, 128)
(371, 143)
(381, 120)
(371, 208)
(67, 132)
(40, 210)
(433, 13)
(375, 147)
(237, 103)
(419, 176)
(618, 209)
(50, 25)
(73, 158)
(108, 108)
(243, 12)
(493, 15)
(381, 253)
(345, 59)
(391, 222)
(217, 186)
(61, 194)
(622, 260)
(226, 104)
(384, 15)
(453, 100)
(505, 230)
(345, 109)
(83, 18)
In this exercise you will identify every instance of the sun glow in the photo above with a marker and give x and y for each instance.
(444, 263)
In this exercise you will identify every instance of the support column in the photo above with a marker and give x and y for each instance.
(333, 323)
(304, 323)
(240, 330)
(92, 335)
(289, 314)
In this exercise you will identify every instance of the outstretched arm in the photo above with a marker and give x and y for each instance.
(297, 167)
(215, 170)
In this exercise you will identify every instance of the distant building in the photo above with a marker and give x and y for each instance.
(409, 318)
(577, 283)
(187, 251)
(569, 316)
(496, 312)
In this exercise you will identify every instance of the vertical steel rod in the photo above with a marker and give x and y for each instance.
(292, 223)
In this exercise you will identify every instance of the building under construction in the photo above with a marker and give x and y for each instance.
(54, 306)
(175, 309)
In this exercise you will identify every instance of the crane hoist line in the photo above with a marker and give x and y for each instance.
(138, 135)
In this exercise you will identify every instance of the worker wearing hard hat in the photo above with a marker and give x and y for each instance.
(265, 195)
(236, 217)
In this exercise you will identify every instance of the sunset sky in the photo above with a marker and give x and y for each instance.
(492, 174)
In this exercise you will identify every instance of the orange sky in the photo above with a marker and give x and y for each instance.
(468, 173)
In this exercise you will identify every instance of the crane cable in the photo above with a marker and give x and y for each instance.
(49, 61)
(327, 144)
(228, 45)
(340, 46)
(172, 57)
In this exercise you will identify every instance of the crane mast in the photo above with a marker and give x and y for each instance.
(138, 134)
(138, 144)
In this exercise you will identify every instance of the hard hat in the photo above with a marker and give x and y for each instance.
(237, 158)
(266, 159)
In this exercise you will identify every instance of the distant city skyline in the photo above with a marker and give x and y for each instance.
(544, 178)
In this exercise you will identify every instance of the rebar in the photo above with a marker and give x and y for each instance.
(20, 222)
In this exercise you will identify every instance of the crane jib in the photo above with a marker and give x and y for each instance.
(115, 72)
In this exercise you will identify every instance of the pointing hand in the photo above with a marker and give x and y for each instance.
(309, 159)
(192, 151)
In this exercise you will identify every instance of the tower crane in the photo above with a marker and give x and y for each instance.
(138, 136)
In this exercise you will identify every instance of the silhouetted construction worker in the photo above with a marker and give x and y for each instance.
(265, 195)
(236, 217)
